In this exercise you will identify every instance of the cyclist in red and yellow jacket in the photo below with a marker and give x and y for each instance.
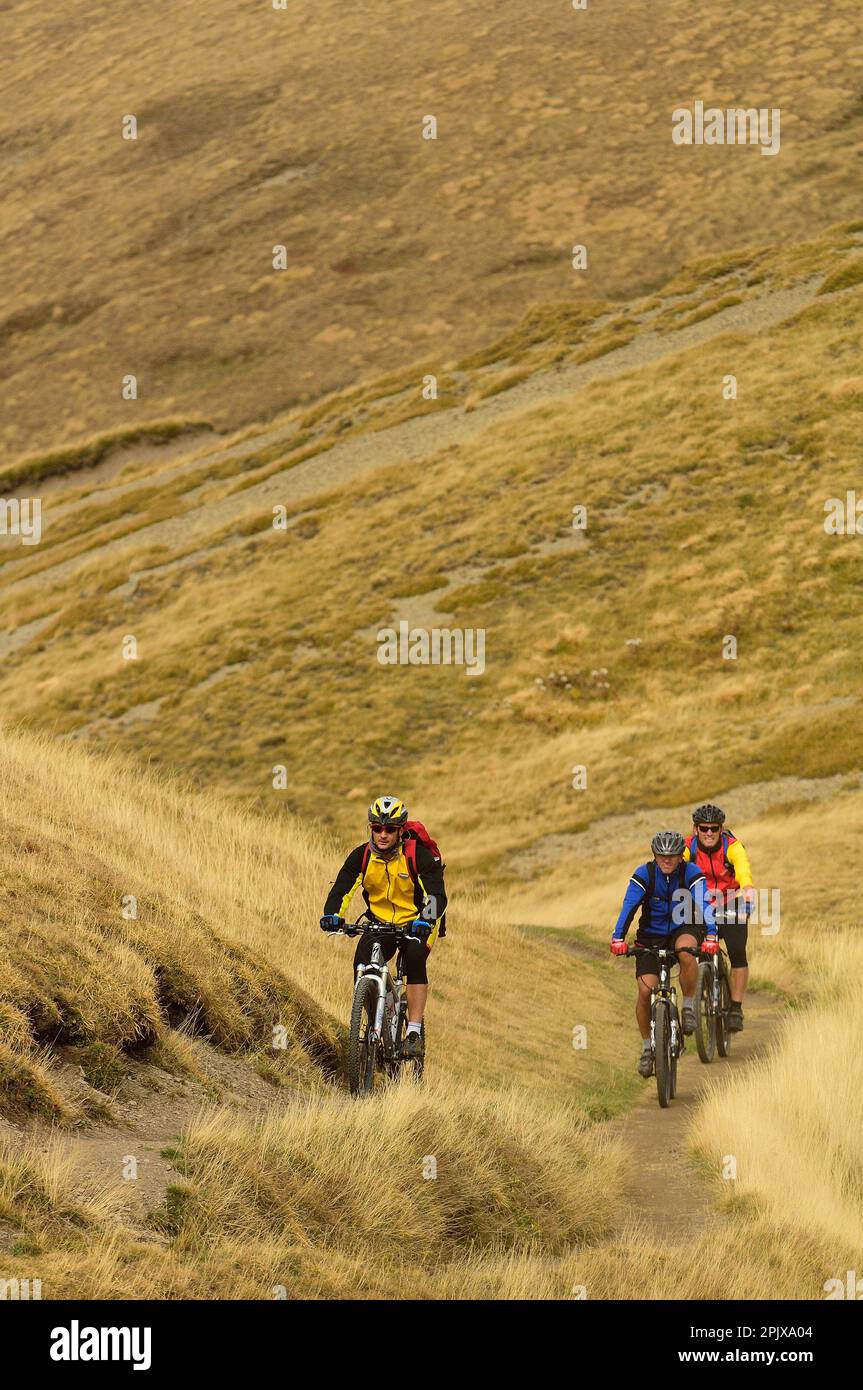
(725, 864)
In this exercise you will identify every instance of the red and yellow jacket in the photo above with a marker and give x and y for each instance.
(727, 867)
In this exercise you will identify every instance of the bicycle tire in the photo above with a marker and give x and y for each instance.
(418, 1063)
(414, 1065)
(362, 1059)
(394, 1064)
(705, 1019)
(673, 1056)
(723, 1036)
(662, 1052)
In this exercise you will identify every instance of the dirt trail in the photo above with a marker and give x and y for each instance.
(149, 1112)
(419, 438)
(669, 1201)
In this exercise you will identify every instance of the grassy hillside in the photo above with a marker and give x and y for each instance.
(303, 128)
(194, 712)
(257, 647)
(224, 945)
(317, 1196)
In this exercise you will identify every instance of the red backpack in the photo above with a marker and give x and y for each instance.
(414, 833)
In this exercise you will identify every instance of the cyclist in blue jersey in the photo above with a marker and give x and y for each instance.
(674, 909)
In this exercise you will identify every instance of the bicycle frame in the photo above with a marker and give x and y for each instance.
(720, 972)
(665, 990)
(391, 995)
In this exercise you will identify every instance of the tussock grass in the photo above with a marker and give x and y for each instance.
(508, 1171)
(107, 946)
(844, 278)
(44, 1193)
(92, 451)
(225, 942)
(329, 1198)
(748, 1258)
(705, 478)
(794, 1122)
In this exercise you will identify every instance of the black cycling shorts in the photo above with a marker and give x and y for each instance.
(734, 931)
(415, 954)
(735, 935)
(646, 963)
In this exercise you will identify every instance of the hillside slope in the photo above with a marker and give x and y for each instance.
(153, 942)
(303, 128)
(258, 647)
(147, 1037)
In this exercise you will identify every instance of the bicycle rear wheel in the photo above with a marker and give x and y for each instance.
(723, 1036)
(413, 1066)
(418, 1063)
(362, 1046)
(705, 1019)
(662, 1052)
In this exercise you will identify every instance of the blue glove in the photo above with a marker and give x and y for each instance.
(420, 929)
(332, 922)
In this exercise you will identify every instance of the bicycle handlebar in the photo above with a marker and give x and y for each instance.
(353, 928)
(637, 947)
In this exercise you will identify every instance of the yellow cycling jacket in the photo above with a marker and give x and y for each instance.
(388, 889)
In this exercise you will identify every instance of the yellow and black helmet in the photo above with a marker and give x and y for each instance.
(388, 810)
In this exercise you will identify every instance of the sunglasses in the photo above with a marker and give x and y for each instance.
(705, 829)
(390, 829)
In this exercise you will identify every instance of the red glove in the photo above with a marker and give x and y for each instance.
(618, 947)
(710, 945)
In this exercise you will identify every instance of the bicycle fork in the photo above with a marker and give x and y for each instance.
(383, 1014)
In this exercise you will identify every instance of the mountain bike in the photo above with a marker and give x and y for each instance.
(712, 1003)
(666, 1029)
(379, 1013)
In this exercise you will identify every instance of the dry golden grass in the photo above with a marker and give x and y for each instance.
(329, 1198)
(287, 145)
(323, 1197)
(712, 487)
(509, 1170)
(226, 938)
(43, 1191)
(584, 886)
(794, 1121)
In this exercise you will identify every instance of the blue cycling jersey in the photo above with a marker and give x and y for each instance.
(667, 913)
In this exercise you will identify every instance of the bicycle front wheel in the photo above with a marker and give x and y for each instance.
(705, 1019)
(662, 1052)
(362, 1044)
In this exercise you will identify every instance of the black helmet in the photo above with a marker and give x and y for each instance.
(667, 842)
(708, 815)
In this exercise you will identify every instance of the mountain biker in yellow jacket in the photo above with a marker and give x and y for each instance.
(382, 868)
(725, 865)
